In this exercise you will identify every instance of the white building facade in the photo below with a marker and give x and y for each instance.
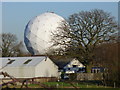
(29, 67)
(74, 66)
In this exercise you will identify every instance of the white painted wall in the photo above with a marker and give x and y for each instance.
(69, 67)
(46, 69)
(74, 62)
(20, 72)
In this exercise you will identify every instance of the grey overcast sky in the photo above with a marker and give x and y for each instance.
(15, 15)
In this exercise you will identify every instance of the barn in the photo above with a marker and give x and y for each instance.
(29, 67)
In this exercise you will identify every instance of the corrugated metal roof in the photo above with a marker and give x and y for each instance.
(20, 61)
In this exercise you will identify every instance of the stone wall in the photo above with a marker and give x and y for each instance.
(89, 76)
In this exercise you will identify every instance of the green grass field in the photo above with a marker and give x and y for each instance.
(64, 85)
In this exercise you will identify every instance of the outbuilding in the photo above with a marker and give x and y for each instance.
(70, 65)
(74, 66)
(29, 67)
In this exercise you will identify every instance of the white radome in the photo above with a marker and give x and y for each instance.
(38, 32)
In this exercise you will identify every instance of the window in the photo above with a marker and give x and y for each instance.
(74, 65)
(68, 68)
(27, 61)
(11, 61)
(98, 71)
(80, 69)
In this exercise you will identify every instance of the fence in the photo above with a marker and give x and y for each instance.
(37, 79)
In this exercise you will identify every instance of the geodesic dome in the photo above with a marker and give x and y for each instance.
(38, 32)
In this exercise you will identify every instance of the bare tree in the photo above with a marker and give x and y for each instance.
(9, 45)
(84, 31)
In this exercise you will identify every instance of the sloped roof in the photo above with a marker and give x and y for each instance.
(62, 63)
(21, 61)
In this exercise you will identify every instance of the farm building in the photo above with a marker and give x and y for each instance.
(29, 67)
(71, 65)
(74, 66)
